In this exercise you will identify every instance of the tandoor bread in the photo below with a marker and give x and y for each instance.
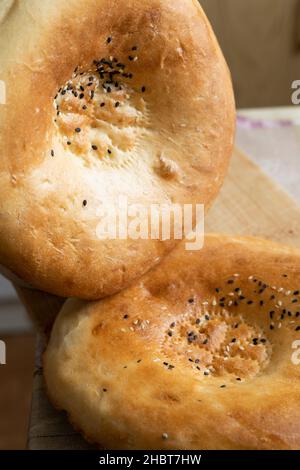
(203, 352)
(104, 99)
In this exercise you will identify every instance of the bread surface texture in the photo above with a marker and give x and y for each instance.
(104, 99)
(201, 353)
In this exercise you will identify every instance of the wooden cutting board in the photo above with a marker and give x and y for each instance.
(249, 204)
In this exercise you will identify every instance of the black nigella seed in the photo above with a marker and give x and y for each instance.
(117, 104)
(105, 390)
(130, 58)
(109, 151)
(108, 40)
(125, 317)
(78, 130)
(84, 107)
(84, 203)
(191, 301)
(233, 340)
(230, 281)
(143, 89)
(69, 143)
(298, 328)
(94, 147)
(250, 302)
(52, 153)
(223, 386)
(81, 96)
(296, 292)
(134, 48)
(170, 333)
(102, 105)
(271, 327)
(172, 325)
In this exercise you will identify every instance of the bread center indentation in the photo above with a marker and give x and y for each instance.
(99, 114)
(231, 332)
(217, 343)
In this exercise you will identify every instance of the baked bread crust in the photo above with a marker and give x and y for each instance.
(197, 355)
(170, 137)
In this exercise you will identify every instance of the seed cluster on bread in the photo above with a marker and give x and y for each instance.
(92, 97)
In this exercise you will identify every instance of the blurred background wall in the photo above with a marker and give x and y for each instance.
(261, 42)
